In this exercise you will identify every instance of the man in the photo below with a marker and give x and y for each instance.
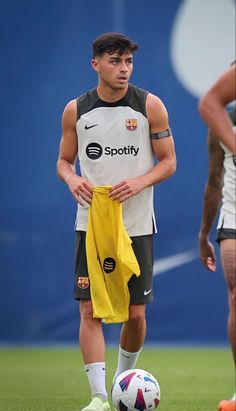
(212, 107)
(115, 129)
(222, 165)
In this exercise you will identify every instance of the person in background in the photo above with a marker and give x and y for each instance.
(212, 107)
(221, 189)
(115, 130)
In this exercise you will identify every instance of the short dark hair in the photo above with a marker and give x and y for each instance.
(111, 43)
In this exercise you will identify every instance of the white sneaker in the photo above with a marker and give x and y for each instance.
(97, 405)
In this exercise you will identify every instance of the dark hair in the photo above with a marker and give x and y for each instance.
(111, 43)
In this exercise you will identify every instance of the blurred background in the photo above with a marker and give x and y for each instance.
(45, 62)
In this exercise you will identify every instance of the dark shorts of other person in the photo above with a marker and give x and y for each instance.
(140, 288)
(225, 234)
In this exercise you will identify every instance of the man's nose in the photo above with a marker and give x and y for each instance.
(123, 67)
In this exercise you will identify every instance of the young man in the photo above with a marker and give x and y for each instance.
(115, 129)
(222, 165)
(212, 107)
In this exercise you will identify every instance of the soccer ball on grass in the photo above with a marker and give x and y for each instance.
(136, 390)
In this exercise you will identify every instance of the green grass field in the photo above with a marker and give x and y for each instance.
(53, 379)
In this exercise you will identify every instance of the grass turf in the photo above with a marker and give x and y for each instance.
(54, 379)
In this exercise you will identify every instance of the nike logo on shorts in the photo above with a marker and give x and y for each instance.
(146, 292)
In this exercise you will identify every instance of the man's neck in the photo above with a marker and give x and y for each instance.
(110, 95)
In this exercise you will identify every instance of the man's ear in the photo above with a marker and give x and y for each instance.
(95, 64)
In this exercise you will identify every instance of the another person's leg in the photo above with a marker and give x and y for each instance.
(228, 260)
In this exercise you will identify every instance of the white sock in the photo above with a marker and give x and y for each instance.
(96, 373)
(126, 360)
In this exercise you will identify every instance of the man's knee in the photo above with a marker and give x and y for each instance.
(137, 314)
(86, 310)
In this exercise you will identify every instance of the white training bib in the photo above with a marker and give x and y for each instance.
(113, 145)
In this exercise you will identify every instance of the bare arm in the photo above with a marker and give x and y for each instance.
(80, 188)
(211, 201)
(163, 150)
(212, 107)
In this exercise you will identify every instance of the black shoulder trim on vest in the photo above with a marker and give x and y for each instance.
(137, 98)
(134, 98)
(86, 102)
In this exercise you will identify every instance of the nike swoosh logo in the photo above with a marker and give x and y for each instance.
(168, 263)
(126, 356)
(147, 292)
(88, 127)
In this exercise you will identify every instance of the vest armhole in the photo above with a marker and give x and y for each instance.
(145, 104)
(77, 107)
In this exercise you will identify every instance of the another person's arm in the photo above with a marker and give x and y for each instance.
(80, 188)
(212, 107)
(211, 201)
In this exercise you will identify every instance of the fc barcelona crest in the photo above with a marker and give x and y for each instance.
(131, 124)
(83, 282)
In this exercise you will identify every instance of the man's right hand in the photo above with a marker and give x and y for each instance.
(207, 253)
(80, 188)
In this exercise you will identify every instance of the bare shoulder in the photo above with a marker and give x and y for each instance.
(156, 113)
(69, 144)
(225, 86)
(154, 102)
(228, 77)
(69, 115)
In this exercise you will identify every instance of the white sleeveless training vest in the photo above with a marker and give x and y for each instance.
(114, 144)
(227, 217)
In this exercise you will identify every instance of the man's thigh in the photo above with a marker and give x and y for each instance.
(228, 260)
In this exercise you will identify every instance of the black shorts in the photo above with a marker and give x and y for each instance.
(225, 234)
(140, 288)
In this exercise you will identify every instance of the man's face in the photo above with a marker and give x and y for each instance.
(114, 70)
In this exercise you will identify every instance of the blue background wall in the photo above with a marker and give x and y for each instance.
(45, 62)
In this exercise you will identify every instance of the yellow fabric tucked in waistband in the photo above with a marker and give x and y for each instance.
(110, 258)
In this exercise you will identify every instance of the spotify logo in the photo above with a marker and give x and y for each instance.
(94, 151)
(109, 265)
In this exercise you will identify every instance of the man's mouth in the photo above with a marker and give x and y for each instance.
(122, 78)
